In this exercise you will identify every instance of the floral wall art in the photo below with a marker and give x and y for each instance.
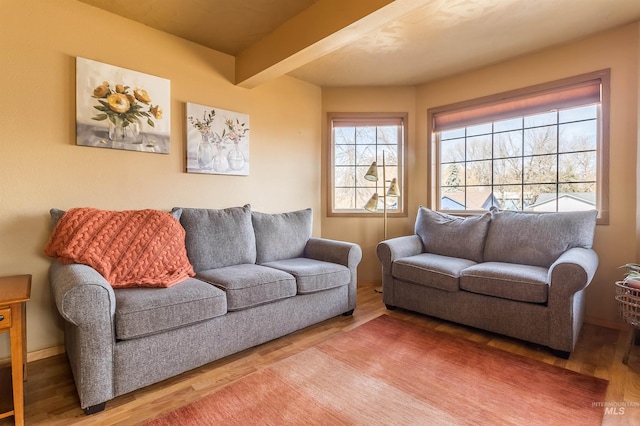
(121, 109)
(217, 141)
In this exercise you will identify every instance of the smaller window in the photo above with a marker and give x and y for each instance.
(357, 141)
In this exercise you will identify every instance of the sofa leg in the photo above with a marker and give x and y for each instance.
(390, 307)
(95, 408)
(348, 313)
(561, 354)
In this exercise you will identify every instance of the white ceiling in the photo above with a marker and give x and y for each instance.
(436, 38)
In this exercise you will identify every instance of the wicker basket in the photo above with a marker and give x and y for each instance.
(628, 303)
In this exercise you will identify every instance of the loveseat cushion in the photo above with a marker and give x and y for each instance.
(313, 275)
(281, 235)
(145, 311)
(452, 236)
(218, 238)
(431, 270)
(524, 283)
(537, 238)
(250, 285)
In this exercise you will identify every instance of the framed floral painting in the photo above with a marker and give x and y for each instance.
(121, 109)
(217, 141)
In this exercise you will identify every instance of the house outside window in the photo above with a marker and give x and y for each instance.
(356, 141)
(540, 149)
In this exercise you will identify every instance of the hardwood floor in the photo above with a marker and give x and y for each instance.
(51, 397)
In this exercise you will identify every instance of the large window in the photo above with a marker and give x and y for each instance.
(358, 140)
(538, 149)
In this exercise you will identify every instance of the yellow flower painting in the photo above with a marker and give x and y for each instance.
(121, 109)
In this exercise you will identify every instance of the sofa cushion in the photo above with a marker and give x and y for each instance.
(452, 236)
(431, 270)
(250, 285)
(281, 235)
(537, 238)
(313, 275)
(218, 238)
(508, 281)
(146, 311)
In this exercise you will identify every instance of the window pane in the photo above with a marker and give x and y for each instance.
(388, 135)
(581, 113)
(540, 169)
(366, 135)
(365, 154)
(479, 148)
(579, 136)
(481, 129)
(540, 140)
(577, 196)
(452, 199)
(344, 135)
(390, 154)
(452, 151)
(506, 125)
(541, 119)
(540, 197)
(452, 134)
(508, 197)
(578, 167)
(508, 144)
(480, 198)
(344, 155)
(507, 171)
(343, 176)
(359, 179)
(479, 172)
(344, 198)
(452, 176)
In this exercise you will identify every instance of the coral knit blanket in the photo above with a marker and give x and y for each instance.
(134, 248)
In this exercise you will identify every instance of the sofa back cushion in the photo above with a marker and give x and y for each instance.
(218, 238)
(452, 236)
(281, 236)
(537, 238)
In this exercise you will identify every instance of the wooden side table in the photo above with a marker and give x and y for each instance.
(15, 291)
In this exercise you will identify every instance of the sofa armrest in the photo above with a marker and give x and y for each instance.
(572, 271)
(87, 302)
(397, 248)
(340, 252)
(390, 250)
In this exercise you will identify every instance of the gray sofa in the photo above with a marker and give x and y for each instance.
(258, 277)
(518, 274)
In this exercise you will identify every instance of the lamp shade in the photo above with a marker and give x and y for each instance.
(394, 190)
(372, 173)
(372, 204)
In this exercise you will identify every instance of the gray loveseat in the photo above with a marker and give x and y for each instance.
(518, 274)
(258, 277)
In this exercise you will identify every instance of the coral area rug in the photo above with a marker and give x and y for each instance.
(389, 371)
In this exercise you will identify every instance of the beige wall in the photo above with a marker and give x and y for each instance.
(41, 167)
(617, 49)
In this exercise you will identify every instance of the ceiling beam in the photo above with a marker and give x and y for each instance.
(324, 27)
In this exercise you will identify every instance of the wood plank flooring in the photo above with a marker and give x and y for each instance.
(51, 397)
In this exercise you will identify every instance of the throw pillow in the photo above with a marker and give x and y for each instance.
(452, 236)
(134, 248)
(281, 235)
(537, 239)
(218, 238)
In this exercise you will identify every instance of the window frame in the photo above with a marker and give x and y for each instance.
(368, 117)
(602, 149)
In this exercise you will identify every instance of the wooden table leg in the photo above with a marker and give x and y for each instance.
(17, 362)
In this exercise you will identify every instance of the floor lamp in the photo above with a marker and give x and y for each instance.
(392, 192)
